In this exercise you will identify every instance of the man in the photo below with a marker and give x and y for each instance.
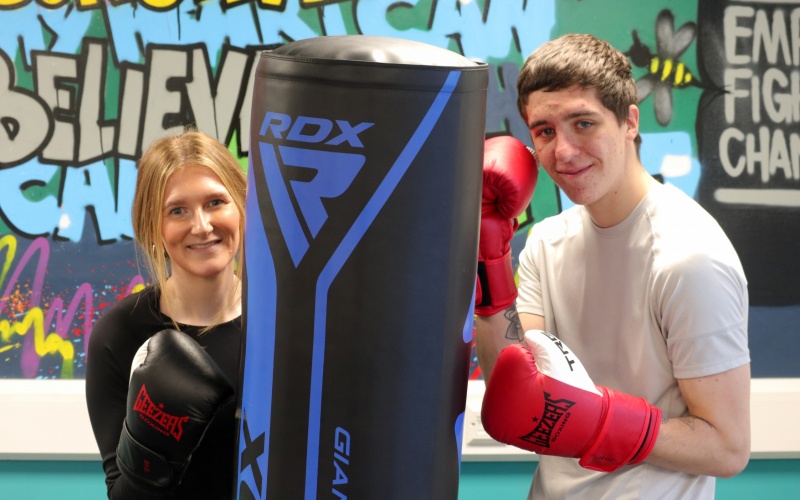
(636, 282)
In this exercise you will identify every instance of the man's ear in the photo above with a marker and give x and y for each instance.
(632, 121)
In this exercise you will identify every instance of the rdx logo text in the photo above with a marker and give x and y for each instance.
(298, 139)
(313, 130)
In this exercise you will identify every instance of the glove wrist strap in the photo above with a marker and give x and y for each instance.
(498, 288)
(145, 465)
(627, 434)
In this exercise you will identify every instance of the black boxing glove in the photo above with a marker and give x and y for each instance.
(175, 391)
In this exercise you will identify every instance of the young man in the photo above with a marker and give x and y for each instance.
(636, 282)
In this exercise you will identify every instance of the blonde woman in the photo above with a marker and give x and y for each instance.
(163, 363)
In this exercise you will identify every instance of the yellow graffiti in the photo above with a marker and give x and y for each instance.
(5, 4)
(50, 4)
(53, 4)
(7, 241)
(160, 5)
(43, 344)
(270, 4)
(10, 346)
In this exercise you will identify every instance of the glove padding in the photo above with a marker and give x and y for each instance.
(510, 172)
(175, 391)
(540, 398)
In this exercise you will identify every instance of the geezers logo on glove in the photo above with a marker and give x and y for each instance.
(152, 414)
(335, 170)
(547, 428)
(556, 411)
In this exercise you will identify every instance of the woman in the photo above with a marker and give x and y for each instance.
(188, 219)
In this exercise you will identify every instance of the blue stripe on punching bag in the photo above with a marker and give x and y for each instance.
(258, 408)
(340, 255)
(466, 335)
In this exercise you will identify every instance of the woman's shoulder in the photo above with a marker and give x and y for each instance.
(137, 313)
(144, 301)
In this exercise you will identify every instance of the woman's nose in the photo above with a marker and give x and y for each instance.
(201, 222)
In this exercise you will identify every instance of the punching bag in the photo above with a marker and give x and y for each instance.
(362, 218)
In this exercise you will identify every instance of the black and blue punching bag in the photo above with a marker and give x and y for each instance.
(363, 208)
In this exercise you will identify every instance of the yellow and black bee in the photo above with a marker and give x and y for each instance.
(664, 71)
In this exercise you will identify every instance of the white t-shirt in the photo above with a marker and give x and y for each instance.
(658, 297)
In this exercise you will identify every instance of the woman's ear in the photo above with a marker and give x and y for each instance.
(166, 255)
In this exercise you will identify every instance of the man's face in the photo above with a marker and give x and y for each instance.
(583, 147)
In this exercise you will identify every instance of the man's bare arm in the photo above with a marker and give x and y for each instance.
(714, 437)
(493, 333)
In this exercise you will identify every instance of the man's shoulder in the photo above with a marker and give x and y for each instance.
(688, 240)
(671, 202)
(560, 225)
(678, 218)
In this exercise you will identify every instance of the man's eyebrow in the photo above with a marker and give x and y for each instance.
(581, 113)
(571, 116)
(537, 123)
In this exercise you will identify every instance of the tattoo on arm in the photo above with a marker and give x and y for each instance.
(514, 330)
(691, 421)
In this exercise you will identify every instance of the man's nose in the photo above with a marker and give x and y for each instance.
(565, 148)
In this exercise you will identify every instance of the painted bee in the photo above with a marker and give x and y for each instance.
(664, 70)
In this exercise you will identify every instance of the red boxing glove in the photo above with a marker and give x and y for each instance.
(509, 179)
(543, 400)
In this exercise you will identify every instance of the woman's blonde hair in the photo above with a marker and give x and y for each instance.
(163, 158)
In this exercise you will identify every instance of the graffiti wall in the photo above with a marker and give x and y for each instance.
(85, 86)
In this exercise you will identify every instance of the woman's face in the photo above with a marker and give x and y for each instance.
(200, 224)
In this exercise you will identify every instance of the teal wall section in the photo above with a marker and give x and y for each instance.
(768, 479)
(36, 480)
(773, 479)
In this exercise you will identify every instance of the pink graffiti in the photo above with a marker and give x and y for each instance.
(81, 306)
